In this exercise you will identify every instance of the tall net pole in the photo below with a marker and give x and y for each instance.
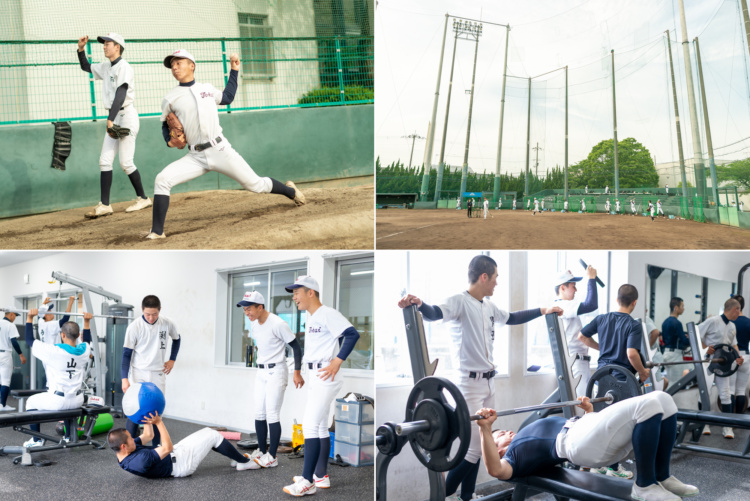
(614, 122)
(711, 162)
(441, 164)
(475, 30)
(528, 144)
(677, 121)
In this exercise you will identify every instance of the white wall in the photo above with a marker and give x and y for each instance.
(200, 388)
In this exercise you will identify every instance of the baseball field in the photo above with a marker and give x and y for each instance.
(451, 229)
(333, 218)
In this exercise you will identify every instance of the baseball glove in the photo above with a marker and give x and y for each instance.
(117, 132)
(176, 132)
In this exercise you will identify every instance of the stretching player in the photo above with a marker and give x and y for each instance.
(565, 288)
(195, 105)
(645, 425)
(675, 339)
(118, 95)
(65, 366)
(326, 330)
(474, 318)
(144, 355)
(167, 460)
(271, 335)
(721, 329)
(49, 330)
(8, 342)
(742, 324)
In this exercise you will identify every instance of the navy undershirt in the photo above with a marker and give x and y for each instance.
(145, 462)
(533, 448)
(743, 332)
(617, 332)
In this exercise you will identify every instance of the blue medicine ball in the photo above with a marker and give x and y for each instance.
(142, 399)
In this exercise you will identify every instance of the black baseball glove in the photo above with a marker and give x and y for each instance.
(117, 132)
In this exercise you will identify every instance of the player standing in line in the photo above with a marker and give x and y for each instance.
(617, 205)
(742, 324)
(326, 330)
(195, 107)
(675, 339)
(632, 206)
(8, 335)
(49, 330)
(65, 366)
(607, 206)
(565, 289)
(144, 355)
(474, 318)
(651, 210)
(536, 207)
(271, 335)
(486, 207)
(118, 95)
(658, 208)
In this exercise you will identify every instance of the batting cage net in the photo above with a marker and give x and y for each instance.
(306, 53)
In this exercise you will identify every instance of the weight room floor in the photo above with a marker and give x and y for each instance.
(84, 473)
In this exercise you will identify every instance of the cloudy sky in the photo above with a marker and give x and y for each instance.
(546, 35)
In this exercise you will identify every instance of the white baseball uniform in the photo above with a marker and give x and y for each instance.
(149, 345)
(659, 209)
(191, 450)
(606, 190)
(579, 352)
(542, 204)
(667, 188)
(486, 206)
(565, 205)
(49, 332)
(196, 107)
(8, 331)
(714, 331)
(655, 353)
(528, 203)
(617, 206)
(65, 367)
(113, 76)
(651, 209)
(322, 332)
(514, 204)
(607, 206)
(536, 205)
(583, 205)
(271, 338)
(458, 204)
(632, 206)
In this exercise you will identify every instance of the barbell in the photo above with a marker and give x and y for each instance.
(721, 364)
(60, 313)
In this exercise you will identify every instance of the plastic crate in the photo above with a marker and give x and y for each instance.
(357, 412)
(356, 455)
(355, 434)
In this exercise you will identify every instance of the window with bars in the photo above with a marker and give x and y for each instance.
(355, 299)
(257, 56)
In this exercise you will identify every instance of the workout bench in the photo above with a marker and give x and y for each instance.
(564, 484)
(693, 422)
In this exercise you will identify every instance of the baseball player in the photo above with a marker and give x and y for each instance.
(607, 206)
(741, 205)
(675, 338)
(651, 210)
(271, 335)
(606, 190)
(49, 330)
(8, 342)
(583, 205)
(469, 204)
(118, 94)
(528, 203)
(587, 189)
(486, 207)
(514, 204)
(645, 425)
(326, 332)
(144, 355)
(658, 208)
(742, 324)
(565, 206)
(167, 460)
(666, 187)
(195, 107)
(536, 207)
(65, 366)
(542, 204)
(474, 317)
(632, 206)
(721, 329)
(458, 203)
(565, 289)
(499, 204)
(652, 334)
(617, 206)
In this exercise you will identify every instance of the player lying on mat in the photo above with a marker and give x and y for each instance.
(645, 425)
(167, 460)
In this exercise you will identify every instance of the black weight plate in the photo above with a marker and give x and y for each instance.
(613, 378)
(729, 365)
(434, 412)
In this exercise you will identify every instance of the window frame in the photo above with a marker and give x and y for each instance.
(370, 258)
(249, 48)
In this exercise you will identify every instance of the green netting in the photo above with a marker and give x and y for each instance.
(698, 210)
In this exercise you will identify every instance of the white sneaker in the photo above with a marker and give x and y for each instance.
(6, 408)
(676, 487)
(320, 483)
(255, 454)
(250, 465)
(620, 472)
(653, 492)
(706, 430)
(727, 432)
(154, 236)
(300, 488)
(100, 210)
(267, 461)
(299, 198)
(140, 203)
(601, 471)
(33, 443)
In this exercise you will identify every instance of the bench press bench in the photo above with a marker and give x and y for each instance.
(693, 422)
(72, 417)
(22, 395)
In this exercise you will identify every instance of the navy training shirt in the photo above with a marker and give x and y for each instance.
(617, 332)
(673, 334)
(145, 462)
(743, 332)
(533, 448)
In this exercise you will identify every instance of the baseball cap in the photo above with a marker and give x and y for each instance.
(565, 277)
(181, 53)
(45, 308)
(15, 312)
(304, 281)
(112, 37)
(251, 298)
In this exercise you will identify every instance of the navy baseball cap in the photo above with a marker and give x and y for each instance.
(566, 277)
(304, 281)
(252, 298)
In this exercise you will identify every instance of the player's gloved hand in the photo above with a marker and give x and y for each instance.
(117, 132)
(176, 132)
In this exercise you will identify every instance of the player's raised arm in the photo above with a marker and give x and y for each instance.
(231, 89)
(82, 59)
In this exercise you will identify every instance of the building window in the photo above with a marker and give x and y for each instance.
(269, 281)
(355, 300)
(256, 55)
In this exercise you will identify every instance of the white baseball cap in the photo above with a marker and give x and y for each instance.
(112, 37)
(251, 298)
(180, 53)
(565, 277)
(304, 281)
(45, 308)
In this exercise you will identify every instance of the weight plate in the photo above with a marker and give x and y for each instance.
(728, 364)
(615, 379)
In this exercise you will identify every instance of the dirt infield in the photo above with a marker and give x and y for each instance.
(451, 229)
(334, 218)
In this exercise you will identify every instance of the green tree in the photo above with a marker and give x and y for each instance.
(737, 172)
(597, 170)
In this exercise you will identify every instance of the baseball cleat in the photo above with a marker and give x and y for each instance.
(267, 461)
(140, 203)
(100, 210)
(301, 487)
(299, 198)
(320, 483)
(154, 236)
(250, 465)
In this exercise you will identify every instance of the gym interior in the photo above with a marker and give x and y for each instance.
(212, 382)
(529, 372)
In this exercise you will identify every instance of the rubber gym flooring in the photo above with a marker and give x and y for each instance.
(85, 473)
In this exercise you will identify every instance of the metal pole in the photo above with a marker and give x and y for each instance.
(62, 313)
(700, 175)
(565, 192)
(496, 188)
(465, 170)
(431, 134)
(441, 164)
(91, 83)
(711, 163)
(614, 122)
(528, 143)
(746, 19)
(677, 121)
(413, 139)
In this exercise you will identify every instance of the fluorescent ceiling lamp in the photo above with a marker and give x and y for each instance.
(248, 284)
(363, 272)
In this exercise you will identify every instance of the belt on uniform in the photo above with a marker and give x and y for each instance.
(266, 366)
(568, 424)
(61, 394)
(205, 146)
(578, 356)
(482, 375)
(315, 366)
(3, 351)
(174, 458)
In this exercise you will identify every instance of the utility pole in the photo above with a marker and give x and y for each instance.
(441, 163)
(536, 161)
(414, 136)
(496, 188)
(614, 120)
(711, 163)
(746, 23)
(473, 30)
(677, 121)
